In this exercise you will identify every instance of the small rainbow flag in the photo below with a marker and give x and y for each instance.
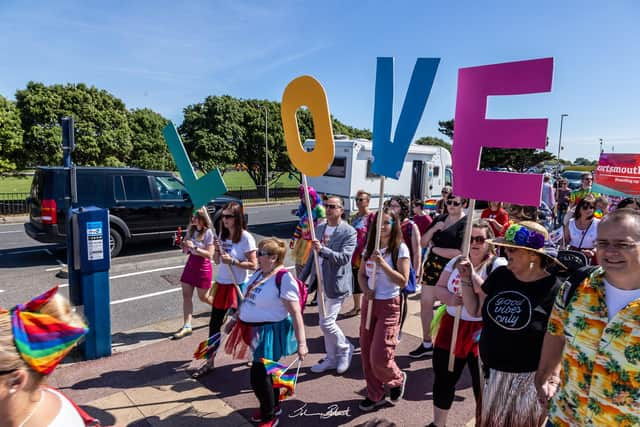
(208, 348)
(286, 383)
(598, 214)
(431, 204)
(273, 368)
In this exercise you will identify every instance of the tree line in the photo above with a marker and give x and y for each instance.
(217, 132)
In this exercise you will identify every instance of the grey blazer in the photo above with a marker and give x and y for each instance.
(336, 260)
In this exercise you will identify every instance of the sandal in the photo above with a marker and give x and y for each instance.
(183, 332)
(202, 371)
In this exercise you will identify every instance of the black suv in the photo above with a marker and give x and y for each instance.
(142, 204)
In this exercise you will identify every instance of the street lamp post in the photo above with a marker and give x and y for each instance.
(266, 154)
(562, 116)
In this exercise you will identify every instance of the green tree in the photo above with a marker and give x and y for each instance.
(149, 149)
(445, 127)
(10, 135)
(430, 140)
(102, 132)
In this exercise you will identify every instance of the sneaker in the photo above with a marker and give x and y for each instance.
(421, 351)
(368, 405)
(344, 361)
(273, 422)
(396, 393)
(256, 417)
(325, 365)
(185, 331)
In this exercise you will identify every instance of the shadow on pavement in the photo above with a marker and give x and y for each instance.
(282, 230)
(123, 379)
(190, 418)
(106, 419)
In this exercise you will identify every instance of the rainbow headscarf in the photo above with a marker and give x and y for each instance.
(42, 340)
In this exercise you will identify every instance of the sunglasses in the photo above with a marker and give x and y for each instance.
(362, 199)
(263, 253)
(333, 206)
(453, 203)
(588, 206)
(478, 239)
(228, 216)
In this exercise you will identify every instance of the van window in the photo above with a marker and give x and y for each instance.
(118, 189)
(136, 187)
(436, 171)
(338, 168)
(448, 177)
(91, 187)
(169, 188)
(369, 173)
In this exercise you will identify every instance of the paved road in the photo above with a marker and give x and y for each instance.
(144, 281)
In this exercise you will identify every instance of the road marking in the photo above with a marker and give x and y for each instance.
(7, 232)
(137, 273)
(1, 291)
(28, 251)
(120, 301)
(54, 269)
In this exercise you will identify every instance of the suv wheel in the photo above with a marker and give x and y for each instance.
(115, 242)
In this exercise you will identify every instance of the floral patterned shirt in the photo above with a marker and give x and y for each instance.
(600, 379)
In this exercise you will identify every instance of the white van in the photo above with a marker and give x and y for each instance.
(425, 171)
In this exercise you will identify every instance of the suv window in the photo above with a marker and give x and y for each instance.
(91, 187)
(169, 188)
(136, 187)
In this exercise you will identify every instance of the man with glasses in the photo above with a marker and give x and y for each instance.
(586, 181)
(594, 335)
(335, 243)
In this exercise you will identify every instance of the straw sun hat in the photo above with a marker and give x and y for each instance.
(527, 235)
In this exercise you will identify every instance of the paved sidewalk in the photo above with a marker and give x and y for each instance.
(146, 382)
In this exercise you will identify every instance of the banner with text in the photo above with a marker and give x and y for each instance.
(618, 174)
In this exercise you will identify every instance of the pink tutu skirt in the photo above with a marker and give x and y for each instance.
(197, 272)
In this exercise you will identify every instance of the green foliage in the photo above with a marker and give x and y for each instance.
(150, 150)
(581, 161)
(445, 127)
(430, 140)
(10, 135)
(102, 132)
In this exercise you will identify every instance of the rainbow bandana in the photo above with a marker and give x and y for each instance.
(42, 340)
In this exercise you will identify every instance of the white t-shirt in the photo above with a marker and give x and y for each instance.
(453, 284)
(204, 242)
(328, 232)
(263, 303)
(589, 241)
(238, 251)
(617, 299)
(68, 416)
(385, 288)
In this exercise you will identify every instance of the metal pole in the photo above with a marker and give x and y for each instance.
(266, 154)
(562, 116)
(601, 144)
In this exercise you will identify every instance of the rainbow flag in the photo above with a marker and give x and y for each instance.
(208, 348)
(598, 214)
(286, 383)
(273, 368)
(431, 204)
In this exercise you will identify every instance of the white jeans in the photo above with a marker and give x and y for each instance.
(335, 343)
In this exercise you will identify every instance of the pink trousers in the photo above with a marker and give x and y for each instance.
(378, 346)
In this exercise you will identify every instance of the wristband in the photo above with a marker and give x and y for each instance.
(466, 283)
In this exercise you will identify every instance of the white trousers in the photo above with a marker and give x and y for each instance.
(335, 343)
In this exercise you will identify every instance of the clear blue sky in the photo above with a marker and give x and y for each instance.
(165, 56)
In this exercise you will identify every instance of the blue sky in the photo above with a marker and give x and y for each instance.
(165, 56)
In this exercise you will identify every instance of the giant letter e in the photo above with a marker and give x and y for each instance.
(473, 131)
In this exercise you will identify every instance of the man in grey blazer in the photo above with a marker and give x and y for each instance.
(336, 241)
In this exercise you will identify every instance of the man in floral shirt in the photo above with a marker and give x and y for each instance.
(590, 362)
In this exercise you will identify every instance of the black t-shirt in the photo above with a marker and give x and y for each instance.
(450, 237)
(515, 316)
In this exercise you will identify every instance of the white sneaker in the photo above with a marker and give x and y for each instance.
(325, 365)
(344, 361)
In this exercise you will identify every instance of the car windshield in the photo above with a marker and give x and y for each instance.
(572, 174)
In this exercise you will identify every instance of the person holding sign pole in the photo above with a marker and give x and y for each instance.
(448, 290)
(515, 303)
(335, 243)
(445, 237)
(361, 221)
(236, 255)
(378, 342)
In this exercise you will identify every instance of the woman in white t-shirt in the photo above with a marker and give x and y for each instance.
(582, 231)
(269, 324)
(484, 260)
(235, 253)
(382, 276)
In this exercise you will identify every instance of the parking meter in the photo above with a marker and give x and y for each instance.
(91, 263)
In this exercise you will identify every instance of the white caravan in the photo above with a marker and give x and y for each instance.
(426, 170)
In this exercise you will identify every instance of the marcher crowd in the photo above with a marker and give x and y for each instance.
(543, 307)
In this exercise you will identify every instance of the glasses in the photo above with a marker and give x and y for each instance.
(479, 239)
(263, 253)
(445, 192)
(362, 199)
(228, 216)
(588, 206)
(8, 371)
(394, 206)
(453, 203)
(587, 179)
(333, 206)
(619, 246)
